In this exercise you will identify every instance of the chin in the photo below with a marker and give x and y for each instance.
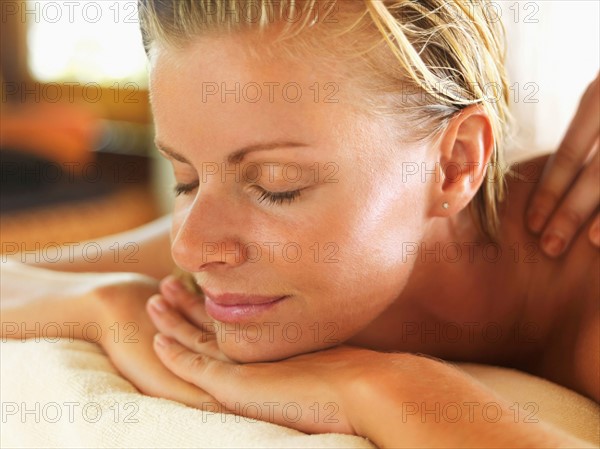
(246, 352)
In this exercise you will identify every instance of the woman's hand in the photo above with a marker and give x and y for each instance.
(104, 308)
(568, 193)
(127, 339)
(313, 393)
(386, 397)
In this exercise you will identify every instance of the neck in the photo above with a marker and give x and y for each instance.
(453, 286)
(448, 279)
(476, 290)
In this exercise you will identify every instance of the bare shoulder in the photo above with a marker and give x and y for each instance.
(564, 293)
(578, 262)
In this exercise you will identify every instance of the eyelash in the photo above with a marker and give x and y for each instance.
(277, 197)
(184, 189)
(264, 195)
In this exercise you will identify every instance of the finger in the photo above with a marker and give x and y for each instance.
(190, 304)
(215, 375)
(563, 166)
(170, 322)
(262, 391)
(180, 391)
(574, 210)
(594, 233)
(230, 384)
(157, 380)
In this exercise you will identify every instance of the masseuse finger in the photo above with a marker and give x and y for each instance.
(574, 211)
(170, 322)
(562, 167)
(190, 304)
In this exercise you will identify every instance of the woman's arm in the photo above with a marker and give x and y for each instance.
(144, 250)
(427, 403)
(394, 399)
(36, 302)
(103, 308)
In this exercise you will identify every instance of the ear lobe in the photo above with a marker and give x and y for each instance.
(465, 149)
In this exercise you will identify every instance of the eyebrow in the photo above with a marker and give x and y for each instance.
(238, 155)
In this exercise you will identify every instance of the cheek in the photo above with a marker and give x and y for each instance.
(374, 236)
(374, 230)
(352, 268)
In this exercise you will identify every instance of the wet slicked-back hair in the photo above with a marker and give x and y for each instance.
(421, 60)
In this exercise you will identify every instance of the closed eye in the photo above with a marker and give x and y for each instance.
(276, 197)
(263, 195)
(184, 189)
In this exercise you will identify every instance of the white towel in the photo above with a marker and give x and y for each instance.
(68, 394)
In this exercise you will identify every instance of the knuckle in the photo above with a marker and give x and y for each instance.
(199, 340)
(572, 217)
(197, 363)
(566, 158)
(545, 199)
(169, 319)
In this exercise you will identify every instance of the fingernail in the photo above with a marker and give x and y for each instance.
(162, 340)
(553, 244)
(536, 221)
(159, 304)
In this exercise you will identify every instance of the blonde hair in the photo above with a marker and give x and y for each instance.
(426, 60)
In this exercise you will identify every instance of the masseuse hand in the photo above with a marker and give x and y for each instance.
(569, 191)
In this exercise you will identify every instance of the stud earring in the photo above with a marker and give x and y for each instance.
(445, 205)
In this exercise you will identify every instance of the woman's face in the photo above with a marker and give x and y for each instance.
(335, 252)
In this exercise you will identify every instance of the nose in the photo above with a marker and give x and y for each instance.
(204, 236)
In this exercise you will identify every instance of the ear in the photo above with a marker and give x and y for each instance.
(463, 153)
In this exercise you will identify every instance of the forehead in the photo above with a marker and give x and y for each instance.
(216, 87)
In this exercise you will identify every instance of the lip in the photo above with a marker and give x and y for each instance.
(239, 299)
(237, 311)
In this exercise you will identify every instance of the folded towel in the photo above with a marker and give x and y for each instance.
(68, 394)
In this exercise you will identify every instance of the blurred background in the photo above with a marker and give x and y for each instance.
(76, 131)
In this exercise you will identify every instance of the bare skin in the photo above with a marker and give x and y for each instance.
(549, 322)
(124, 300)
(553, 210)
(557, 338)
(372, 214)
(375, 290)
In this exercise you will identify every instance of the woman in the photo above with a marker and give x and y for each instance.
(344, 206)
